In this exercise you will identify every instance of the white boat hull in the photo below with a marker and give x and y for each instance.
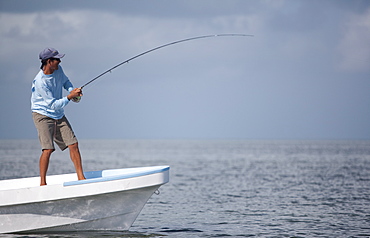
(107, 200)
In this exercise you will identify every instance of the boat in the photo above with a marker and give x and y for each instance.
(107, 200)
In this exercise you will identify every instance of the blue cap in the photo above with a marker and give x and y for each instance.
(50, 53)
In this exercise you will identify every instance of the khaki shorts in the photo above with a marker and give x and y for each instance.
(49, 130)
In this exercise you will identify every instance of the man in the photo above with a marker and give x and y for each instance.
(47, 103)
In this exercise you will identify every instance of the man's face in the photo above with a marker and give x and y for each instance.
(54, 63)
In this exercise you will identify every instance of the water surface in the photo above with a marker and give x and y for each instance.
(228, 188)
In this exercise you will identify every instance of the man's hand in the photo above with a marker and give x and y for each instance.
(75, 93)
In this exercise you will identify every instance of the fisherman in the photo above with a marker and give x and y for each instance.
(47, 103)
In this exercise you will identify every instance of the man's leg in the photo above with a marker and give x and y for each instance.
(76, 159)
(44, 164)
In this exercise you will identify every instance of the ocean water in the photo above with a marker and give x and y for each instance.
(229, 188)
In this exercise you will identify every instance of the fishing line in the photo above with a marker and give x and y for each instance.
(153, 49)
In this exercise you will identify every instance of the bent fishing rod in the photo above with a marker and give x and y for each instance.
(153, 49)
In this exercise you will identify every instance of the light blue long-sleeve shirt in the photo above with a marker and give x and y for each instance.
(47, 93)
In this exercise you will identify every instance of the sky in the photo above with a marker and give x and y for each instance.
(304, 75)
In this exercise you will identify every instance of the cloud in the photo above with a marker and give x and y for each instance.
(354, 47)
(99, 35)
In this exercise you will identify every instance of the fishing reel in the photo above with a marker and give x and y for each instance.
(76, 99)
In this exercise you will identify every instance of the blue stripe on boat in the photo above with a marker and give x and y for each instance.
(97, 176)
